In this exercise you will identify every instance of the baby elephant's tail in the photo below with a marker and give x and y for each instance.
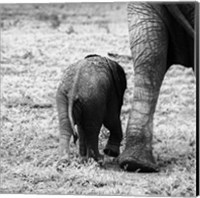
(71, 119)
(73, 100)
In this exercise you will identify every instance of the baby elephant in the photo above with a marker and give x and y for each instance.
(89, 95)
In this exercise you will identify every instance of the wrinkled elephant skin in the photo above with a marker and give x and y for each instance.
(161, 34)
(89, 95)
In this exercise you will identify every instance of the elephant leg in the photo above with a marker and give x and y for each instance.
(113, 144)
(149, 43)
(64, 126)
(92, 137)
(82, 143)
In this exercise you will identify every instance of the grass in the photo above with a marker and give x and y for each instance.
(34, 52)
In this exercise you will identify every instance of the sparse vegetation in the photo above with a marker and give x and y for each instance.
(34, 52)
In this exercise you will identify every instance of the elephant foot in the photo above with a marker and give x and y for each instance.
(111, 150)
(138, 159)
(99, 159)
(62, 164)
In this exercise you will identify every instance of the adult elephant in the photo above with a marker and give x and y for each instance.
(161, 34)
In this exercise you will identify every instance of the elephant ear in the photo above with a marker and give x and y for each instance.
(119, 78)
(92, 55)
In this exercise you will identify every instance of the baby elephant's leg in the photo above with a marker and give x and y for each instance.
(92, 137)
(113, 144)
(64, 126)
(82, 144)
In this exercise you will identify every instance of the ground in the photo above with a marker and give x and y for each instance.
(37, 42)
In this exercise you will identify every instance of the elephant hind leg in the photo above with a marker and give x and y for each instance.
(149, 46)
(64, 126)
(138, 157)
(92, 134)
(139, 166)
(65, 133)
(113, 144)
(82, 143)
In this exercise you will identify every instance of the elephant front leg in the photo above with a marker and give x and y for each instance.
(148, 38)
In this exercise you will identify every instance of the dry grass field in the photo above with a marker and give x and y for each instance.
(37, 43)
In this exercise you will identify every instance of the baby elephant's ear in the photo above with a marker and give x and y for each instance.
(122, 76)
(92, 55)
(119, 77)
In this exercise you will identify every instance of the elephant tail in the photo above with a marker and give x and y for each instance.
(92, 55)
(71, 119)
(73, 110)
